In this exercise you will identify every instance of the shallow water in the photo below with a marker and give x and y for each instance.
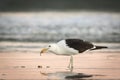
(31, 66)
(21, 61)
(8, 46)
(54, 26)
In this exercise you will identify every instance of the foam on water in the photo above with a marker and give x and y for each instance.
(54, 26)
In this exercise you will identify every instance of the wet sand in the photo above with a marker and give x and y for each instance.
(100, 65)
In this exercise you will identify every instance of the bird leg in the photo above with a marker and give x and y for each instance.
(69, 63)
(70, 66)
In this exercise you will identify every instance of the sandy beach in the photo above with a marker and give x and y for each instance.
(29, 65)
(28, 26)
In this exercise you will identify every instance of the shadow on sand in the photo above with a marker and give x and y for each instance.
(66, 76)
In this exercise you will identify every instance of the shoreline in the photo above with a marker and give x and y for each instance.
(100, 64)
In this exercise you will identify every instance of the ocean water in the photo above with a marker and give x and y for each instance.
(51, 26)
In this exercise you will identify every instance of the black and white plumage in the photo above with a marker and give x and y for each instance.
(70, 47)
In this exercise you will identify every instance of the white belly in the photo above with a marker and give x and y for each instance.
(63, 49)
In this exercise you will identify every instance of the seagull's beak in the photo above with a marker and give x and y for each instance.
(43, 51)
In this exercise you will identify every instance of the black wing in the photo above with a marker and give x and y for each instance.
(79, 44)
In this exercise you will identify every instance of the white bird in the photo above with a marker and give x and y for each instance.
(69, 47)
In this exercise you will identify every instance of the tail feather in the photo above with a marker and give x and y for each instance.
(98, 47)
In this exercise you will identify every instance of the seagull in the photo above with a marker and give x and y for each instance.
(70, 47)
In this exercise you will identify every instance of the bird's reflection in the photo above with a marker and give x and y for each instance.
(66, 75)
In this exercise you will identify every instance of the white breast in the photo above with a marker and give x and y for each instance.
(63, 49)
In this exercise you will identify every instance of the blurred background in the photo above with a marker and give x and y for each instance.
(53, 20)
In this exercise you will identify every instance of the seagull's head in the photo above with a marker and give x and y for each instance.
(49, 48)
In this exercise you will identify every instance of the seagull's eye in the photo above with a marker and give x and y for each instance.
(49, 46)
